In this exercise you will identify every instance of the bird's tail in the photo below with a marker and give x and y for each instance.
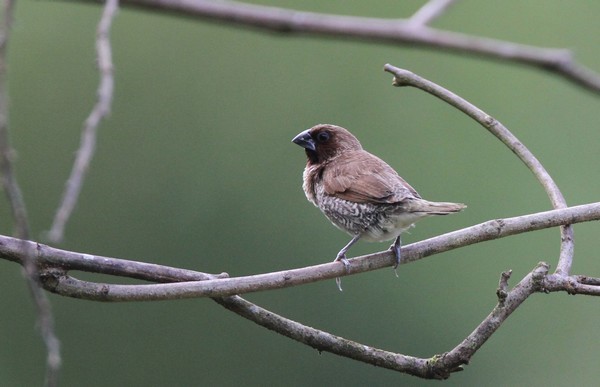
(433, 208)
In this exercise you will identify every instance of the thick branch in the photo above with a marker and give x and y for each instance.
(436, 367)
(56, 263)
(391, 31)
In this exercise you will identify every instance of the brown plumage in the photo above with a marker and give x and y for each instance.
(358, 192)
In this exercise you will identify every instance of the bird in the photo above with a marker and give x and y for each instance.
(359, 192)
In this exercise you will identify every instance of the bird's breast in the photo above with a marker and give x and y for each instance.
(311, 180)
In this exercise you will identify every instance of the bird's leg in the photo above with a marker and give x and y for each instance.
(341, 256)
(395, 247)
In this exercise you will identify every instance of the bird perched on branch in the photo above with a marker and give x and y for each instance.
(358, 192)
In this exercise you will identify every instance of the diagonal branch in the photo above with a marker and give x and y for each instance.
(389, 31)
(101, 109)
(323, 341)
(507, 303)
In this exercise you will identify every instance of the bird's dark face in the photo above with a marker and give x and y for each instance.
(323, 142)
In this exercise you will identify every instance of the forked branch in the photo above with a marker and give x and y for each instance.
(54, 266)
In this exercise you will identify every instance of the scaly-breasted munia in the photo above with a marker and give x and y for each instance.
(358, 192)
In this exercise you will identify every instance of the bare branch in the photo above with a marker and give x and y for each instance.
(467, 348)
(323, 341)
(390, 31)
(88, 136)
(573, 284)
(19, 212)
(436, 367)
(57, 262)
(407, 78)
(9, 180)
(429, 12)
(53, 265)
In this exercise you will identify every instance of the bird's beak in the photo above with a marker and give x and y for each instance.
(305, 140)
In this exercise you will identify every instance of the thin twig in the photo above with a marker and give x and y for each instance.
(390, 31)
(7, 154)
(19, 212)
(406, 78)
(429, 12)
(101, 109)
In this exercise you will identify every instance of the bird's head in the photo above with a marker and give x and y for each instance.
(324, 141)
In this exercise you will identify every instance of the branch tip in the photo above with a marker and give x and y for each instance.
(502, 291)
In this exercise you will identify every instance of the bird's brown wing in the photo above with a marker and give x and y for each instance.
(363, 178)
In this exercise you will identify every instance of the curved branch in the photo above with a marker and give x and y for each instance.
(390, 31)
(406, 78)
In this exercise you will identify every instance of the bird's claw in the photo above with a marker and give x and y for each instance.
(341, 258)
(396, 249)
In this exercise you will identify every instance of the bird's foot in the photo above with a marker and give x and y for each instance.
(341, 257)
(396, 249)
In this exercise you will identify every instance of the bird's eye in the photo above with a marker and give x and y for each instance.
(323, 136)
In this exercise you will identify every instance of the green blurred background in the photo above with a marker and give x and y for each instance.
(195, 169)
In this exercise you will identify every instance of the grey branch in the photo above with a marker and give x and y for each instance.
(429, 12)
(53, 265)
(101, 109)
(389, 31)
(7, 154)
(56, 263)
(19, 213)
(406, 78)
